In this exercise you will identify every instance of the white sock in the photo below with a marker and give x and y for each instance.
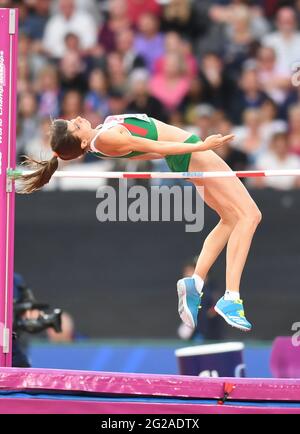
(231, 295)
(198, 282)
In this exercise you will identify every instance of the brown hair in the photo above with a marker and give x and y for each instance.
(64, 145)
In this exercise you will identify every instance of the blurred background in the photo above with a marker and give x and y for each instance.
(207, 66)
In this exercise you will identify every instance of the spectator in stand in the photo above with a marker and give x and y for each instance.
(35, 22)
(72, 104)
(285, 41)
(297, 7)
(71, 69)
(149, 42)
(72, 42)
(92, 7)
(24, 83)
(274, 83)
(48, 92)
(183, 17)
(204, 120)
(23, 12)
(240, 38)
(96, 99)
(294, 129)
(88, 59)
(259, 127)
(27, 54)
(125, 48)
(249, 95)
(212, 39)
(249, 137)
(28, 121)
(233, 33)
(218, 87)
(116, 21)
(140, 100)
(235, 158)
(270, 7)
(38, 148)
(270, 124)
(278, 157)
(137, 8)
(192, 99)
(117, 102)
(175, 44)
(172, 84)
(31, 31)
(191, 59)
(116, 72)
(259, 25)
(175, 118)
(69, 20)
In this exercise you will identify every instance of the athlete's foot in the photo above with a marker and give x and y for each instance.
(233, 313)
(189, 301)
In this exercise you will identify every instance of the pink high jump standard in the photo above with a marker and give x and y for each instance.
(57, 391)
(8, 83)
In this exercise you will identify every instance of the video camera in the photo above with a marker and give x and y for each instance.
(26, 301)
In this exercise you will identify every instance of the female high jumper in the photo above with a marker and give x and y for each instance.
(138, 136)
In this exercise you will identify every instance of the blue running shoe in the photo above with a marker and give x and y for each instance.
(233, 313)
(189, 301)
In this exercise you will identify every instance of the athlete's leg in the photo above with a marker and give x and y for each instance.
(190, 289)
(217, 238)
(231, 196)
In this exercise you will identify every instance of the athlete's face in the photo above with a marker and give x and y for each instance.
(80, 128)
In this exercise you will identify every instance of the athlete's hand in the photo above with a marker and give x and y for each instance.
(215, 141)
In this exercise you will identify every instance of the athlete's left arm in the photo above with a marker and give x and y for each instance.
(147, 156)
(124, 143)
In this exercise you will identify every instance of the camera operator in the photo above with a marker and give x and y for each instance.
(29, 316)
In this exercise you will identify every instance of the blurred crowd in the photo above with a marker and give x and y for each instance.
(205, 65)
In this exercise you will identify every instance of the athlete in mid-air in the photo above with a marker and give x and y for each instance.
(138, 136)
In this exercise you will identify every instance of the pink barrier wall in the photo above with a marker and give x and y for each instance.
(8, 84)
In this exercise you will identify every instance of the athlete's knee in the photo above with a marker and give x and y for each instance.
(229, 214)
(258, 215)
(255, 214)
(251, 215)
(229, 219)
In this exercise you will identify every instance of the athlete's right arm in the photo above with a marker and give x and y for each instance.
(116, 141)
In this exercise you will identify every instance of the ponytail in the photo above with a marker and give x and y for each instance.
(36, 180)
(64, 145)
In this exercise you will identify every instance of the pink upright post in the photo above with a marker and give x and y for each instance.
(8, 84)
